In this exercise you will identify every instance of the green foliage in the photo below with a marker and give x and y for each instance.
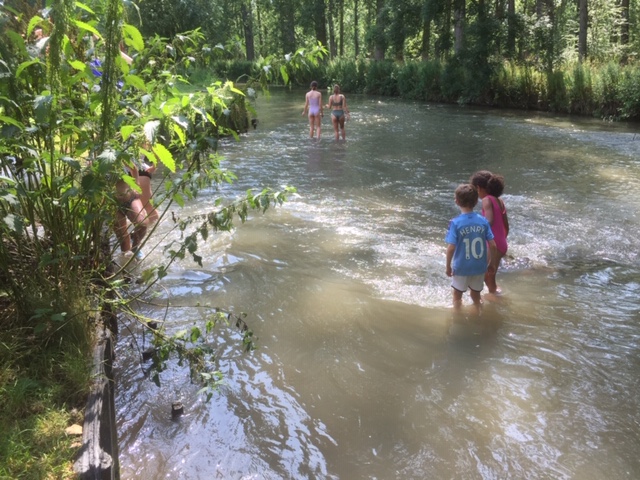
(382, 78)
(66, 135)
(607, 83)
(453, 81)
(630, 94)
(557, 88)
(349, 74)
(581, 90)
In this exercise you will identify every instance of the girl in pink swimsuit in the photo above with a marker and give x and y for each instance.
(490, 186)
(313, 104)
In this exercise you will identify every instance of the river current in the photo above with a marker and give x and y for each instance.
(359, 371)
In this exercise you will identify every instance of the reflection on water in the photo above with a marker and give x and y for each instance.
(362, 370)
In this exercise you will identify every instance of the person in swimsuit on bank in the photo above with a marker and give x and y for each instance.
(339, 111)
(490, 186)
(313, 104)
(130, 207)
(145, 172)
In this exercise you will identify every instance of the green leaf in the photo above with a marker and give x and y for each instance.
(151, 129)
(132, 37)
(78, 65)
(11, 121)
(35, 20)
(84, 7)
(24, 65)
(86, 27)
(178, 199)
(126, 131)
(165, 156)
(136, 82)
(285, 75)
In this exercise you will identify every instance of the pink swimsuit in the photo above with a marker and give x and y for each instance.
(498, 229)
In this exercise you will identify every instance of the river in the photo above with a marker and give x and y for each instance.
(359, 371)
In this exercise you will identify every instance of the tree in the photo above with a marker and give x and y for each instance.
(584, 23)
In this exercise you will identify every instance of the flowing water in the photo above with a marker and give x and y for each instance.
(360, 373)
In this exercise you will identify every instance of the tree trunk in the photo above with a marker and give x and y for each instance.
(333, 49)
(624, 24)
(379, 41)
(247, 24)
(511, 27)
(426, 38)
(356, 44)
(341, 26)
(320, 22)
(459, 19)
(582, 33)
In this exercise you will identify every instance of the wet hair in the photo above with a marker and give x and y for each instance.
(492, 183)
(336, 87)
(314, 84)
(466, 195)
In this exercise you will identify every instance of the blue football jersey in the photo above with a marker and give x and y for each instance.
(469, 232)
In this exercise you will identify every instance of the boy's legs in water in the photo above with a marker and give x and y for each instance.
(457, 299)
(477, 302)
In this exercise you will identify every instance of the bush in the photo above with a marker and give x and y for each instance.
(630, 94)
(348, 74)
(382, 78)
(581, 91)
(453, 81)
(606, 89)
(409, 81)
(234, 70)
(430, 74)
(558, 98)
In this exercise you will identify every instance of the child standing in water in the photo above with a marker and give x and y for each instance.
(490, 186)
(313, 104)
(468, 236)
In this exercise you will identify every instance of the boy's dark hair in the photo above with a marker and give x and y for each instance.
(492, 183)
(466, 195)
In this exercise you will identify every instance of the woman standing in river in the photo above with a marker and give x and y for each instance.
(313, 104)
(339, 111)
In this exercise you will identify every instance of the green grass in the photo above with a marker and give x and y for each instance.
(43, 387)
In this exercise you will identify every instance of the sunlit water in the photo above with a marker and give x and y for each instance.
(359, 372)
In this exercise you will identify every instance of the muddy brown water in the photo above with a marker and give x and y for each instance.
(359, 373)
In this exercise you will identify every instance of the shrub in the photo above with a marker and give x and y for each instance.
(581, 91)
(557, 88)
(606, 90)
(630, 94)
(382, 78)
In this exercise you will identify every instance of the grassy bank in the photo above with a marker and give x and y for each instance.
(44, 379)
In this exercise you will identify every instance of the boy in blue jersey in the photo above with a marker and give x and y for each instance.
(468, 236)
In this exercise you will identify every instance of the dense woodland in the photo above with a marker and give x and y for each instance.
(542, 32)
(574, 57)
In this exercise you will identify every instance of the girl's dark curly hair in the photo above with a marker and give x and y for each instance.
(492, 183)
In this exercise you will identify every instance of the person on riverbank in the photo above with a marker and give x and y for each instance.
(130, 207)
(145, 173)
(339, 111)
(490, 186)
(313, 105)
(468, 237)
